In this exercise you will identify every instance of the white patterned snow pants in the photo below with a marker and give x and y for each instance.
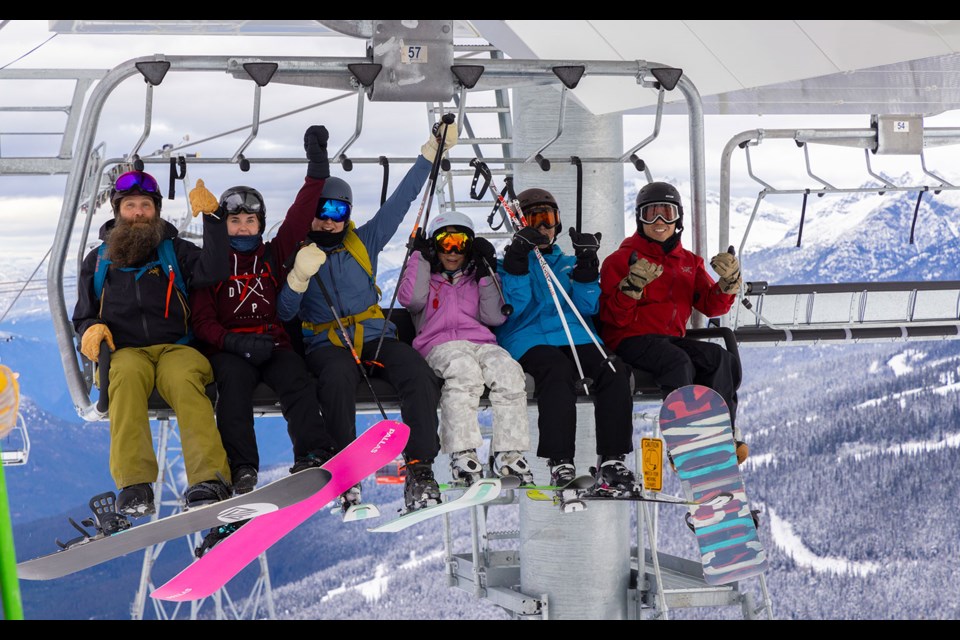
(465, 368)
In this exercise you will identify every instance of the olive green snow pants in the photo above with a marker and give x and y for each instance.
(180, 374)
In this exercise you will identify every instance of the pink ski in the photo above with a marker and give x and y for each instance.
(373, 449)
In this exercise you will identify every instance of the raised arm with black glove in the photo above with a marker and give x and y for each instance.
(484, 257)
(585, 247)
(315, 144)
(255, 348)
(516, 256)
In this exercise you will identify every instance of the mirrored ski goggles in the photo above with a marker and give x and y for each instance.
(241, 200)
(137, 180)
(452, 242)
(666, 211)
(336, 210)
(543, 215)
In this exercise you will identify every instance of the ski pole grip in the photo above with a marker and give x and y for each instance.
(448, 118)
(633, 258)
(731, 250)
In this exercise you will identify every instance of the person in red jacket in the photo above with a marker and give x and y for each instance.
(237, 324)
(650, 287)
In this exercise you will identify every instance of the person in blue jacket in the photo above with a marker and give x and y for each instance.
(534, 335)
(344, 256)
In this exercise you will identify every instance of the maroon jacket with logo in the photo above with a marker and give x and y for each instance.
(247, 301)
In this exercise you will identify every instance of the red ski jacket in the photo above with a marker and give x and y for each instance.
(667, 302)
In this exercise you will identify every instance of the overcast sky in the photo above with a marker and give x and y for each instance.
(193, 107)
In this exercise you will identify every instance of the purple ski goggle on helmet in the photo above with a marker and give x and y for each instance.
(137, 180)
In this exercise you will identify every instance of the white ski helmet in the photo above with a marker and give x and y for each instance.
(451, 219)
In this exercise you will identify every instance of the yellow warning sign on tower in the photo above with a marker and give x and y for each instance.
(652, 459)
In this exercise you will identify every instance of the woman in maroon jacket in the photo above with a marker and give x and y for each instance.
(650, 286)
(236, 321)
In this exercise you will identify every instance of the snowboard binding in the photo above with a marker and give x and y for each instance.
(105, 521)
(216, 534)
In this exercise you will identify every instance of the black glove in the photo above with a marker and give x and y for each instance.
(315, 144)
(515, 258)
(255, 348)
(585, 246)
(484, 257)
(426, 246)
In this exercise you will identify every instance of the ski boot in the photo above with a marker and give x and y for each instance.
(105, 520)
(465, 467)
(614, 479)
(216, 534)
(511, 463)
(420, 487)
(562, 473)
(135, 501)
(352, 508)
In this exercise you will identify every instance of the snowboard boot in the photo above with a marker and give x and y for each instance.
(313, 459)
(420, 487)
(350, 497)
(465, 467)
(136, 500)
(204, 493)
(511, 463)
(244, 479)
(562, 472)
(614, 479)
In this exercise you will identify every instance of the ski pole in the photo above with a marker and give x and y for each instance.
(447, 119)
(507, 308)
(518, 221)
(347, 341)
(749, 306)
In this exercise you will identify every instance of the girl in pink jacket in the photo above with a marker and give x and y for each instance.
(449, 290)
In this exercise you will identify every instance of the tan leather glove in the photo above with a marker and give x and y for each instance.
(91, 339)
(202, 201)
(728, 268)
(642, 272)
(9, 400)
(309, 260)
(429, 148)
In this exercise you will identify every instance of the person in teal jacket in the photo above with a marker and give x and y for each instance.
(534, 335)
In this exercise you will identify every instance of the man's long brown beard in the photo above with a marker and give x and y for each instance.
(131, 243)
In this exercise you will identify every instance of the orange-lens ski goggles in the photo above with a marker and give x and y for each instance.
(452, 242)
(543, 216)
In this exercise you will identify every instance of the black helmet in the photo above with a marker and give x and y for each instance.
(244, 199)
(659, 192)
(529, 198)
(135, 183)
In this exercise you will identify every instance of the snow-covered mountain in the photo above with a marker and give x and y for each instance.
(854, 449)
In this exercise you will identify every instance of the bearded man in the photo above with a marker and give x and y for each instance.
(132, 294)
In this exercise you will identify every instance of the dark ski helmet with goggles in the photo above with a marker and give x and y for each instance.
(135, 183)
(241, 199)
(536, 205)
(659, 193)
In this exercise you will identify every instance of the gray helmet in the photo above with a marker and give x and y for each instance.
(337, 189)
(659, 192)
